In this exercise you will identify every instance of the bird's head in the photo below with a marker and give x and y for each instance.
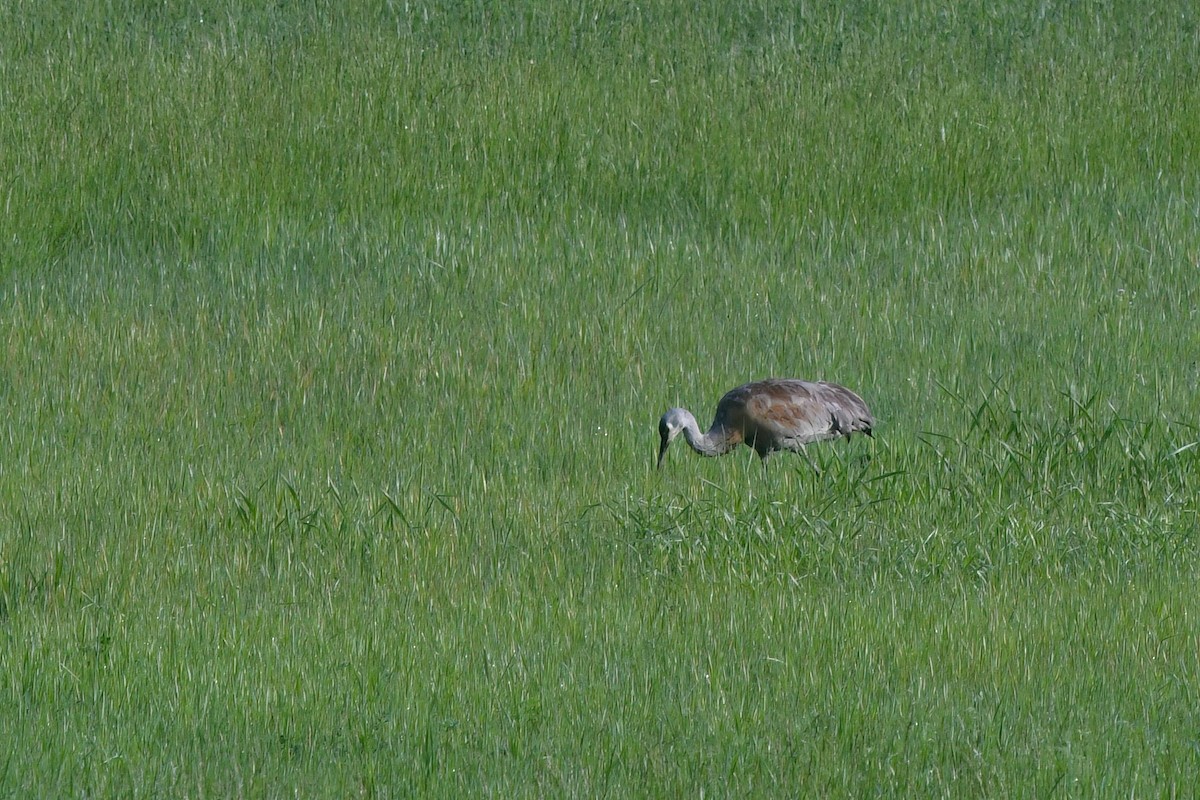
(671, 425)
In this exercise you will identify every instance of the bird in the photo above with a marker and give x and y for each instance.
(771, 415)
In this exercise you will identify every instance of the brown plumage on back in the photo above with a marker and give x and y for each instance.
(771, 415)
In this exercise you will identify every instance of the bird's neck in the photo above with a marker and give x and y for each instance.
(702, 443)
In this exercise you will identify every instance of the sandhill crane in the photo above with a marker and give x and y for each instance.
(770, 415)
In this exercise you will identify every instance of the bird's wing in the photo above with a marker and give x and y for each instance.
(788, 411)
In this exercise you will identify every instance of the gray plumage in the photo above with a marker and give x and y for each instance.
(771, 415)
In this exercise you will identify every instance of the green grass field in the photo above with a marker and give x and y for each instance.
(333, 343)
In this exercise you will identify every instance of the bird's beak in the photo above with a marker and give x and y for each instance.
(662, 451)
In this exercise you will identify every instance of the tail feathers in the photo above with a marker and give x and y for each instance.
(844, 424)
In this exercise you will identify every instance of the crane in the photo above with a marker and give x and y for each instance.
(771, 415)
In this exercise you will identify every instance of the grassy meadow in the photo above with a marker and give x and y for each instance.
(333, 340)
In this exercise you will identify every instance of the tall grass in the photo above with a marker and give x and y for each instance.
(332, 342)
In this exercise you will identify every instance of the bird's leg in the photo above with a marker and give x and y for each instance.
(809, 459)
